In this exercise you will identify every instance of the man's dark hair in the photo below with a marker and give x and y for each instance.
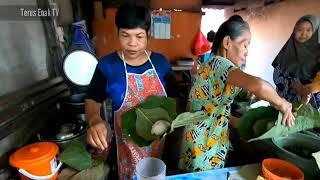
(130, 16)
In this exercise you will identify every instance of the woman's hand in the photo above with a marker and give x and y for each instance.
(97, 133)
(306, 99)
(286, 109)
(264, 91)
(302, 90)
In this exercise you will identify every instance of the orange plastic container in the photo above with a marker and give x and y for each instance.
(36, 161)
(276, 169)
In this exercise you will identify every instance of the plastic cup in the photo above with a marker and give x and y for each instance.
(151, 169)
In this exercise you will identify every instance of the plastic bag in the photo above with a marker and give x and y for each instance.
(201, 45)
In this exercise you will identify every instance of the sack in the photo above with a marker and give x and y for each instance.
(201, 45)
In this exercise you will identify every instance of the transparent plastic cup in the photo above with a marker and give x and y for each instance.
(151, 169)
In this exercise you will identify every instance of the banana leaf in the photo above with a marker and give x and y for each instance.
(137, 123)
(130, 119)
(248, 120)
(76, 156)
(262, 126)
(129, 128)
(146, 118)
(307, 118)
(167, 103)
(186, 118)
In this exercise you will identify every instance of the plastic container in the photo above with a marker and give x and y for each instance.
(151, 169)
(36, 161)
(276, 169)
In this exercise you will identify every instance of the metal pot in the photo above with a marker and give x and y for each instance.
(73, 106)
(286, 147)
(64, 133)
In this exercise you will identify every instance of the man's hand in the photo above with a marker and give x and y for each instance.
(97, 133)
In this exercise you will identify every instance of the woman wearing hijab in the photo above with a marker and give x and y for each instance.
(298, 63)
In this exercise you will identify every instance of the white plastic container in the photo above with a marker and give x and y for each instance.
(151, 169)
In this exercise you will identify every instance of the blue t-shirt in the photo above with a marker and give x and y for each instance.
(109, 79)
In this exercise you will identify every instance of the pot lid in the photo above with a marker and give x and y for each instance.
(75, 99)
(33, 153)
(79, 66)
(65, 131)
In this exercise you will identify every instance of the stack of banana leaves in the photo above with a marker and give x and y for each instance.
(265, 122)
(154, 118)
